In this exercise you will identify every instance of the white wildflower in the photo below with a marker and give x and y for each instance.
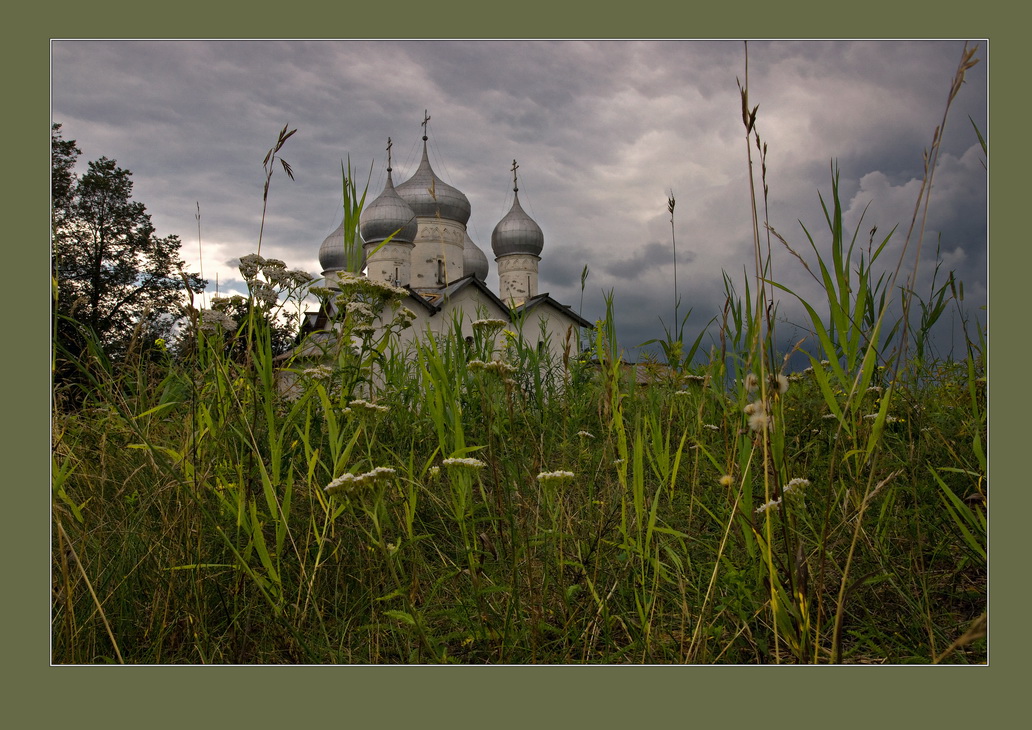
(586, 434)
(349, 482)
(489, 324)
(494, 366)
(751, 382)
(711, 426)
(264, 293)
(249, 266)
(213, 320)
(359, 309)
(794, 484)
(465, 462)
(555, 476)
(772, 504)
(319, 371)
(368, 407)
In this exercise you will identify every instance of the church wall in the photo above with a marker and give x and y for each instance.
(392, 263)
(437, 240)
(517, 277)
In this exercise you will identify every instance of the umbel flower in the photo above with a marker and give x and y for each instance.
(489, 324)
(555, 476)
(349, 482)
(367, 407)
(465, 462)
(495, 366)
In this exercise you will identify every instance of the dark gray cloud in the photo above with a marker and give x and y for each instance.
(603, 131)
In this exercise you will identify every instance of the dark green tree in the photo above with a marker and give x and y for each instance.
(114, 277)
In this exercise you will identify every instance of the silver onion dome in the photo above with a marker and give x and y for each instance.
(387, 214)
(474, 260)
(517, 233)
(449, 201)
(332, 256)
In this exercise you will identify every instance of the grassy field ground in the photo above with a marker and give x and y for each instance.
(485, 503)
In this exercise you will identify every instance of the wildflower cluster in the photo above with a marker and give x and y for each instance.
(489, 325)
(349, 482)
(758, 411)
(758, 418)
(794, 485)
(319, 372)
(585, 434)
(276, 277)
(555, 476)
(494, 366)
(465, 462)
(214, 320)
(364, 406)
(349, 283)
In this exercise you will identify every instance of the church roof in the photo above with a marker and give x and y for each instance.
(429, 195)
(474, 260)
(547, 301)
(517, 233)
(388, 214)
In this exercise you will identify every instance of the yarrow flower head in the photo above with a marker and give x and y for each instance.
(214, 321)
(585, 435)
(465, 462)
(365, 406)
(772, 504)
(495, 366)
(489, 324)
(249, 266)
(795, 484)
(349, 482)
(555, 476)
(318, 372)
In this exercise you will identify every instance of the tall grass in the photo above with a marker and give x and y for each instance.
(484, 501)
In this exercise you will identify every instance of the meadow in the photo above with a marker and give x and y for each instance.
(481, 501)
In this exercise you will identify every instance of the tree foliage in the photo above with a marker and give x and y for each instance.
(115, 278)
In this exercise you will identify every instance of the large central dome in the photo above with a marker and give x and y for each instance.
(450, 202)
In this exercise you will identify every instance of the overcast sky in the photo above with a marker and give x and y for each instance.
(603, 131)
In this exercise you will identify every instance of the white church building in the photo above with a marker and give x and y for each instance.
(443, 272)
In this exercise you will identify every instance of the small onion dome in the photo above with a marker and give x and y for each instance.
(332, 256)
(517, 233)
(474, 260)
(387, 214)
(452, 204)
